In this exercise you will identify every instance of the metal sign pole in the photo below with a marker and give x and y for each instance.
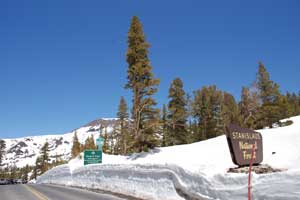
(250, 170)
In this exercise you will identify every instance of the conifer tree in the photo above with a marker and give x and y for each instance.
(143, 85)
(44, 154)
(114, 141)
(230, 110)
(105, 147)
(269, 95)
(217, 106)
(191, 129)
(13, 172)
(294, 104)
(76, 146)
(117, 140)
(90, 143)
(208, 110)
(38, 167)
(202, 113)
(268, 90)
(123, 120)
(177, 115)
(284, 108)
(164, 124)
(87, 144)
(2, 150)
(248, 108)
(25, 173)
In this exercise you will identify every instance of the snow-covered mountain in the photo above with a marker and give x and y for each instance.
(23, 151)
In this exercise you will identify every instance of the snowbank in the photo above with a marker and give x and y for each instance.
(196, 171)
(141, 181)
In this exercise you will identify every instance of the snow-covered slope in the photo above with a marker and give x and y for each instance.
(23, 151)
(196, 170)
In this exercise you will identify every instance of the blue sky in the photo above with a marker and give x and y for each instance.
(62, 63)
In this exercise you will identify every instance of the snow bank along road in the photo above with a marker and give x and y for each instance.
(192, 171)
(49, 192)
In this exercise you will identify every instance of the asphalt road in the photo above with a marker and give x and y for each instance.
(49, 192)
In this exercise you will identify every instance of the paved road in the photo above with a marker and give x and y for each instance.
(49, 192)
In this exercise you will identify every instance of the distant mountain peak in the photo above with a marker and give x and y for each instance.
(23, 151)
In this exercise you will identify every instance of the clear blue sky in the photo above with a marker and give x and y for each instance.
(62, 63)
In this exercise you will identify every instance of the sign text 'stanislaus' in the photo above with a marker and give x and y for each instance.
(241, 141)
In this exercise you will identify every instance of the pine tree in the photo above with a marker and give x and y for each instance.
(268, 90)
(195, 133)
(87, 144)
(190, 127)
(114, 140)
(44, 156)
(2, 150)
(202, 113)
(117, 140)
(248, 108)
(177, 115)
(294, 104)
(38, 168)
(25, 173)
(105, 147)
(217, 122)
(269, 95)
(123, 120)
(90, 143)
(230, 110)
(284, 108)
(164, 124)
(208, 109)
(13, 172)
(143, 85)
(76, 146)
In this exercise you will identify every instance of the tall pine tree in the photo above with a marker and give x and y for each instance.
(44, 158)
(177, 115)
(124, 143)
(76, 148)
(202, 113)
(230, 110)
(106, 142)
(143, 85)
(269, 94)
(208, 109)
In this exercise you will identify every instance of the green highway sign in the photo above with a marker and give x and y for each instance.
(92, 157)
(99, 143)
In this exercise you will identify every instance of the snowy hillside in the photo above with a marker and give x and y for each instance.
(23, 151)
(196, 171)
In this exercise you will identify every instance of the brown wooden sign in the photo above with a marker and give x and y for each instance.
(241, 141)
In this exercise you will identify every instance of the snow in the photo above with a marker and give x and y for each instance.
(196, 170)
